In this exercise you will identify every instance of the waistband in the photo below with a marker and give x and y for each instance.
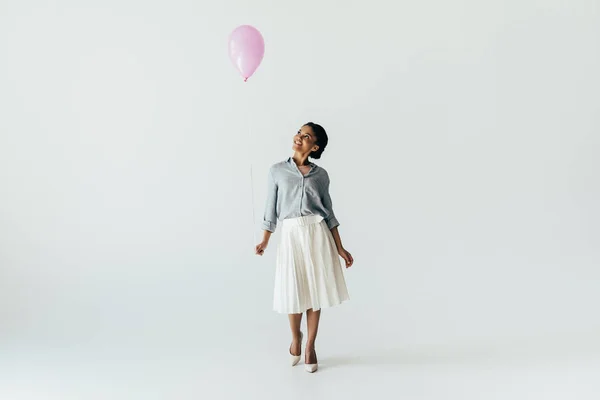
(302, 221)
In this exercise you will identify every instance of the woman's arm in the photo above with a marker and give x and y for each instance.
(260, 248)
(330, 220)
(336, 237)
(269, 223)
(340, 248)
(266, 236)
(270, 214)
(333, 223)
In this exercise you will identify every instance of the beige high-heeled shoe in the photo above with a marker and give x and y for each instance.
(312, 367)
(296, 359)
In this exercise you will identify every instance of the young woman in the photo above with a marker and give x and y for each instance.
(308, 273)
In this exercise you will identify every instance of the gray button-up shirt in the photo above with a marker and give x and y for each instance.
(291, 194)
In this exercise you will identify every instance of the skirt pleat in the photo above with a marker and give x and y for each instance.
(308, 272)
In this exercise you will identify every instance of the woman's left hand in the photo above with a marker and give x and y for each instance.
(346, 256)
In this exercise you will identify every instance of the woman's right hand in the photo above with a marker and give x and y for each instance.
(260, 248)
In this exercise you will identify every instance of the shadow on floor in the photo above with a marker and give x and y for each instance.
(515, 352)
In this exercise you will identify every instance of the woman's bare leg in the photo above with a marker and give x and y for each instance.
(295, 321)
(312, 322)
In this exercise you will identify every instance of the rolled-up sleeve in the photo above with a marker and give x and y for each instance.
(331, 220)
(270, 215)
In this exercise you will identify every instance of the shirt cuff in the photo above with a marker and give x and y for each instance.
(332, 222)
(269, 226)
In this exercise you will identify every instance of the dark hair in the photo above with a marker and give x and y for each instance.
(321, 137)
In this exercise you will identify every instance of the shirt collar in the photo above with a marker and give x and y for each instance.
(290, 160)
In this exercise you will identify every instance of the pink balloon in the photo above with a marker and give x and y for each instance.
(246, 49)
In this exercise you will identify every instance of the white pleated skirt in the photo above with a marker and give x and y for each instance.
(308, 271)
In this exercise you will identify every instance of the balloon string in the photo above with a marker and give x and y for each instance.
(248, 102)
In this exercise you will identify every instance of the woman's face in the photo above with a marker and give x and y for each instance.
(304, 140)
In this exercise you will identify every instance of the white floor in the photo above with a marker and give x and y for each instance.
(254, 368)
